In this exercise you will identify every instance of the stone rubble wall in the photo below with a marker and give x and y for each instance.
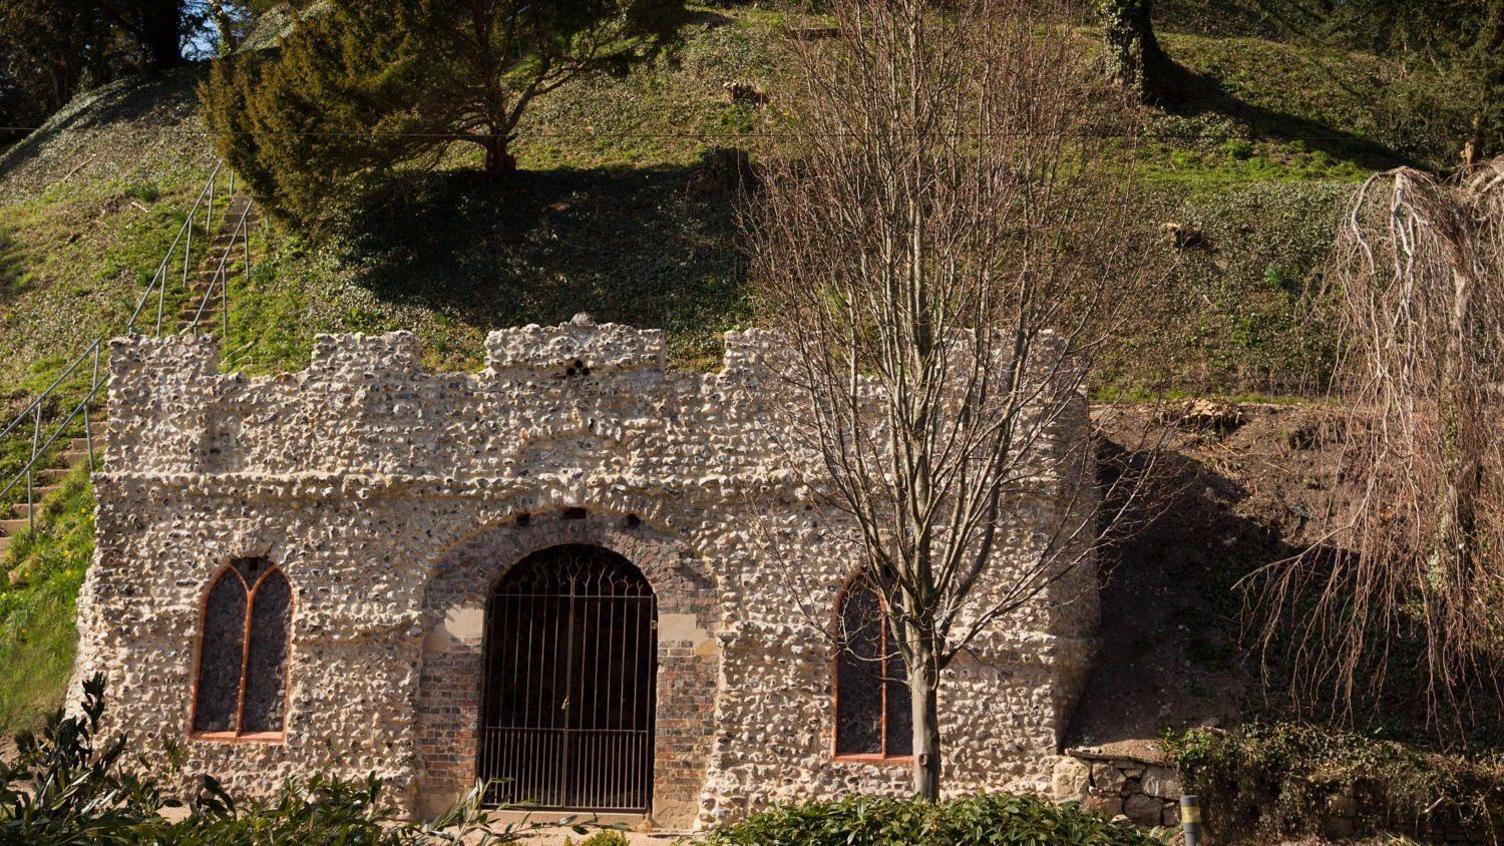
(392, 498)
(1145, 788)
(1134, 781)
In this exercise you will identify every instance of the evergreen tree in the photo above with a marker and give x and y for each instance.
(362, 86)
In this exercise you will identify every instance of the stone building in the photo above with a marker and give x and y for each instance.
(598, 579)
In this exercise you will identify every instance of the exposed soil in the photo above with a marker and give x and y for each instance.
(1243, 487)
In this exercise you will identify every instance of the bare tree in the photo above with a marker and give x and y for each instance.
(945, 246)
(1415, 546)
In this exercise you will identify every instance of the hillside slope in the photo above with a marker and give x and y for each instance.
(88, 204)
(620, 212)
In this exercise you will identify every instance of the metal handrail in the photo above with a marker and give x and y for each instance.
(157, 286)
(205, 194)
(26, 412)
(241, 231)
(159, 279)
(38, 452)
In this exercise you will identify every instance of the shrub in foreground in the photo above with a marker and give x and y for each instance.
(68, 786)
(997, 819)
(1283, 780)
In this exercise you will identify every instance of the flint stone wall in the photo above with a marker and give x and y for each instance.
(393, 499)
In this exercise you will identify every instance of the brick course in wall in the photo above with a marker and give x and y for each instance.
(393, 499)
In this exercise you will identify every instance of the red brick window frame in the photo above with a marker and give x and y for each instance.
(240, 688)
(872, 712)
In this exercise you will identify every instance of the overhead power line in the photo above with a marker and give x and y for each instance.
(701, 135)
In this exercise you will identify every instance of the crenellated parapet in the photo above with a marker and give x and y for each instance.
(577, 348)
(577, 399)
(363, 357)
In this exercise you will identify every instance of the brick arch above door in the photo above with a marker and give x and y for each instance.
(449, 690)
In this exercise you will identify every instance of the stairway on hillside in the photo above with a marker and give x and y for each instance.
(202, 290)
(48, 480)
(205, 299)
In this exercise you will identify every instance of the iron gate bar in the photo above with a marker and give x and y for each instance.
(559, 729)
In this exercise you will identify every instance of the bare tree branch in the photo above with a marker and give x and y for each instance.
(945, 248)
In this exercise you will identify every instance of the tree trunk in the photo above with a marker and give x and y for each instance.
(161, 33)
(1134, 57)
(1462, 471)
(924, 688)
(499, 160)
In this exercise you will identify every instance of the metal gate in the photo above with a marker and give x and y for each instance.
(569, 692)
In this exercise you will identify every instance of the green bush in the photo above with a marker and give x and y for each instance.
(69, 785)
(985, 820)
(1286, 779)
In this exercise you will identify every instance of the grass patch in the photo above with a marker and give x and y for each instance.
(43, 570)
(648, 247)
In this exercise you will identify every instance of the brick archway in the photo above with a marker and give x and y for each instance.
(449, 706)
(569, 689)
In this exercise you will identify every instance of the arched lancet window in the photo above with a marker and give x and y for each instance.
(873, 720)
(242, 664)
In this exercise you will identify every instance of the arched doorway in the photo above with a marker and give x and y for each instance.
(569, 693)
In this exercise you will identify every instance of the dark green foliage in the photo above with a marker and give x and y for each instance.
(158, 27)
(55, 48)
(51, 46)
(70, 785)
(1264, 780)
(983, 820)
(365, 85)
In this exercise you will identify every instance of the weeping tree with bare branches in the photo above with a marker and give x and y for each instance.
(1415, 549)
(945, 244)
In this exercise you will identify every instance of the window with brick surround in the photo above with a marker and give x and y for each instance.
(242, 661)
(872, 693)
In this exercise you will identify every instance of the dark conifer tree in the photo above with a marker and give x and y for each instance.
(362, 86)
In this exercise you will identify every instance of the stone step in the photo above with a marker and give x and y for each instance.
(14, 527)
(53, 474)
(21, 509)
(72, 456)
(80, 444)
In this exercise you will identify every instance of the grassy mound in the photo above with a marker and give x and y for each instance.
(990, 819)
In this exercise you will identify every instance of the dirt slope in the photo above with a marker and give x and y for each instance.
(1243, 496)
